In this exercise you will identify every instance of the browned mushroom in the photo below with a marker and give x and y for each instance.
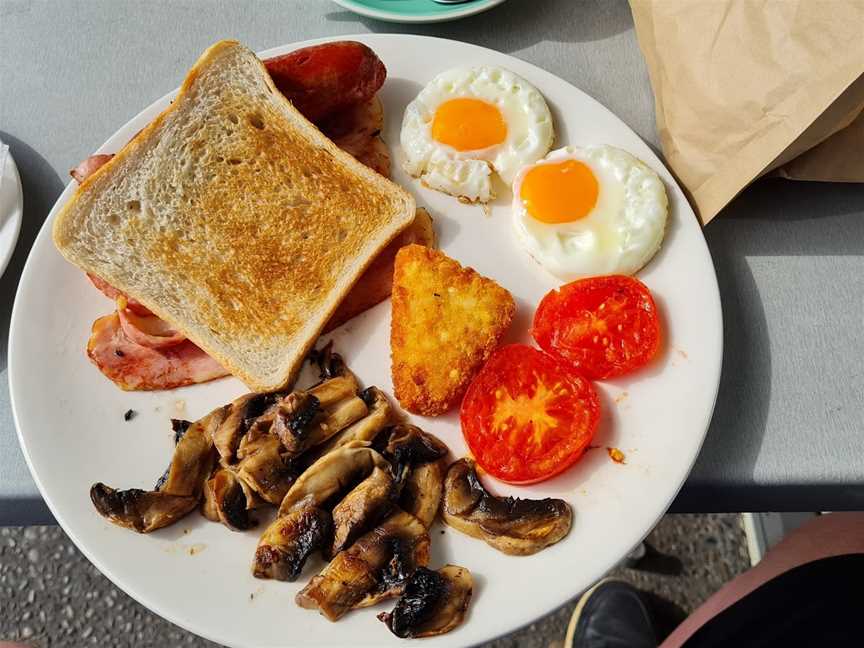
(316, 489)
(409, 445)
(513, 526)
(140, 510)
(330, 364)
(208, 503)
(366, 429)
(226, 501)
(302, 422)
(242, 413)
(292, 419)
(335, 389)
(362, 508)
(332, 474)
(434, 602)
(194, 455)
(419, 461)
(289, 541)
(177, 492)
(265, 468)
(421, 490)
(258, 410)
(375, 567)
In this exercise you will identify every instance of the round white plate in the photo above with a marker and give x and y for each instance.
(416, 11)
(197, 574)
(11, 210)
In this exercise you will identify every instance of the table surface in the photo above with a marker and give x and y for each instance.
(788, 430)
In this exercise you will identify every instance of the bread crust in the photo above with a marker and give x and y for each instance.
(246, 231)
(376, 284)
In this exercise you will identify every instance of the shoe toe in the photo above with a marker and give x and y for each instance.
(613, 615)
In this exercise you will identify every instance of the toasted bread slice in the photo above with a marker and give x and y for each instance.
(376, 284)
(233, 218)
(446, 322)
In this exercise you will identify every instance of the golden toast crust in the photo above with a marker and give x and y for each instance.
(247, 230)
(376, 284)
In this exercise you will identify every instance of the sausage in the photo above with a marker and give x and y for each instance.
(356, 130)
(323, 79)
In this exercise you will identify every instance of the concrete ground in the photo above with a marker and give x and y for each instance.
(50, 596)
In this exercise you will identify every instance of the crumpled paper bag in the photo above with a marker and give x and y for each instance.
(743, 88)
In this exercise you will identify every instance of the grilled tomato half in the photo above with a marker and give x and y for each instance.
(527, 416)
(605, 326)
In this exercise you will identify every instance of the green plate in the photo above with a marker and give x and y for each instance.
(416, 11)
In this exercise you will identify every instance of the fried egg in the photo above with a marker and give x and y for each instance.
(468, 123)
(589, 211)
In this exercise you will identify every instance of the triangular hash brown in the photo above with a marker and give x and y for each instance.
(446, 322)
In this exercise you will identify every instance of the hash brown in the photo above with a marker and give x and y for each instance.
(446, 322)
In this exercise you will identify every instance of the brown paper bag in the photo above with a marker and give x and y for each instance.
(840, 158)
(747, 87)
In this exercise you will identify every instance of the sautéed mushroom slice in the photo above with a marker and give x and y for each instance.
(434, 602)
(513, 526)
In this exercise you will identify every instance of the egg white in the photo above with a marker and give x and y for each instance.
(468, 174)
(618, 236)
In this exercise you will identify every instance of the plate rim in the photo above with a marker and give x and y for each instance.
(191, 626)
(17, 215)
(393, 16)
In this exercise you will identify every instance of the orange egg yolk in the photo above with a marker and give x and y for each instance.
(559, 192)
(468, 124)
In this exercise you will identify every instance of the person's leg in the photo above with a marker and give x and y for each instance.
(828, 535)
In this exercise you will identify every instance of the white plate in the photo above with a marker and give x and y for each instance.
(416, 11)
(71, 427)
(11, 210)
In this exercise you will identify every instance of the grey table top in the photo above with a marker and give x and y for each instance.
(788, 431)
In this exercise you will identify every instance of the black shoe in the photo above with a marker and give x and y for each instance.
(612, 614)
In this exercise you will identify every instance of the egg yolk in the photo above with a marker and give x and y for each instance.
(468, 124)
(559, 192)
